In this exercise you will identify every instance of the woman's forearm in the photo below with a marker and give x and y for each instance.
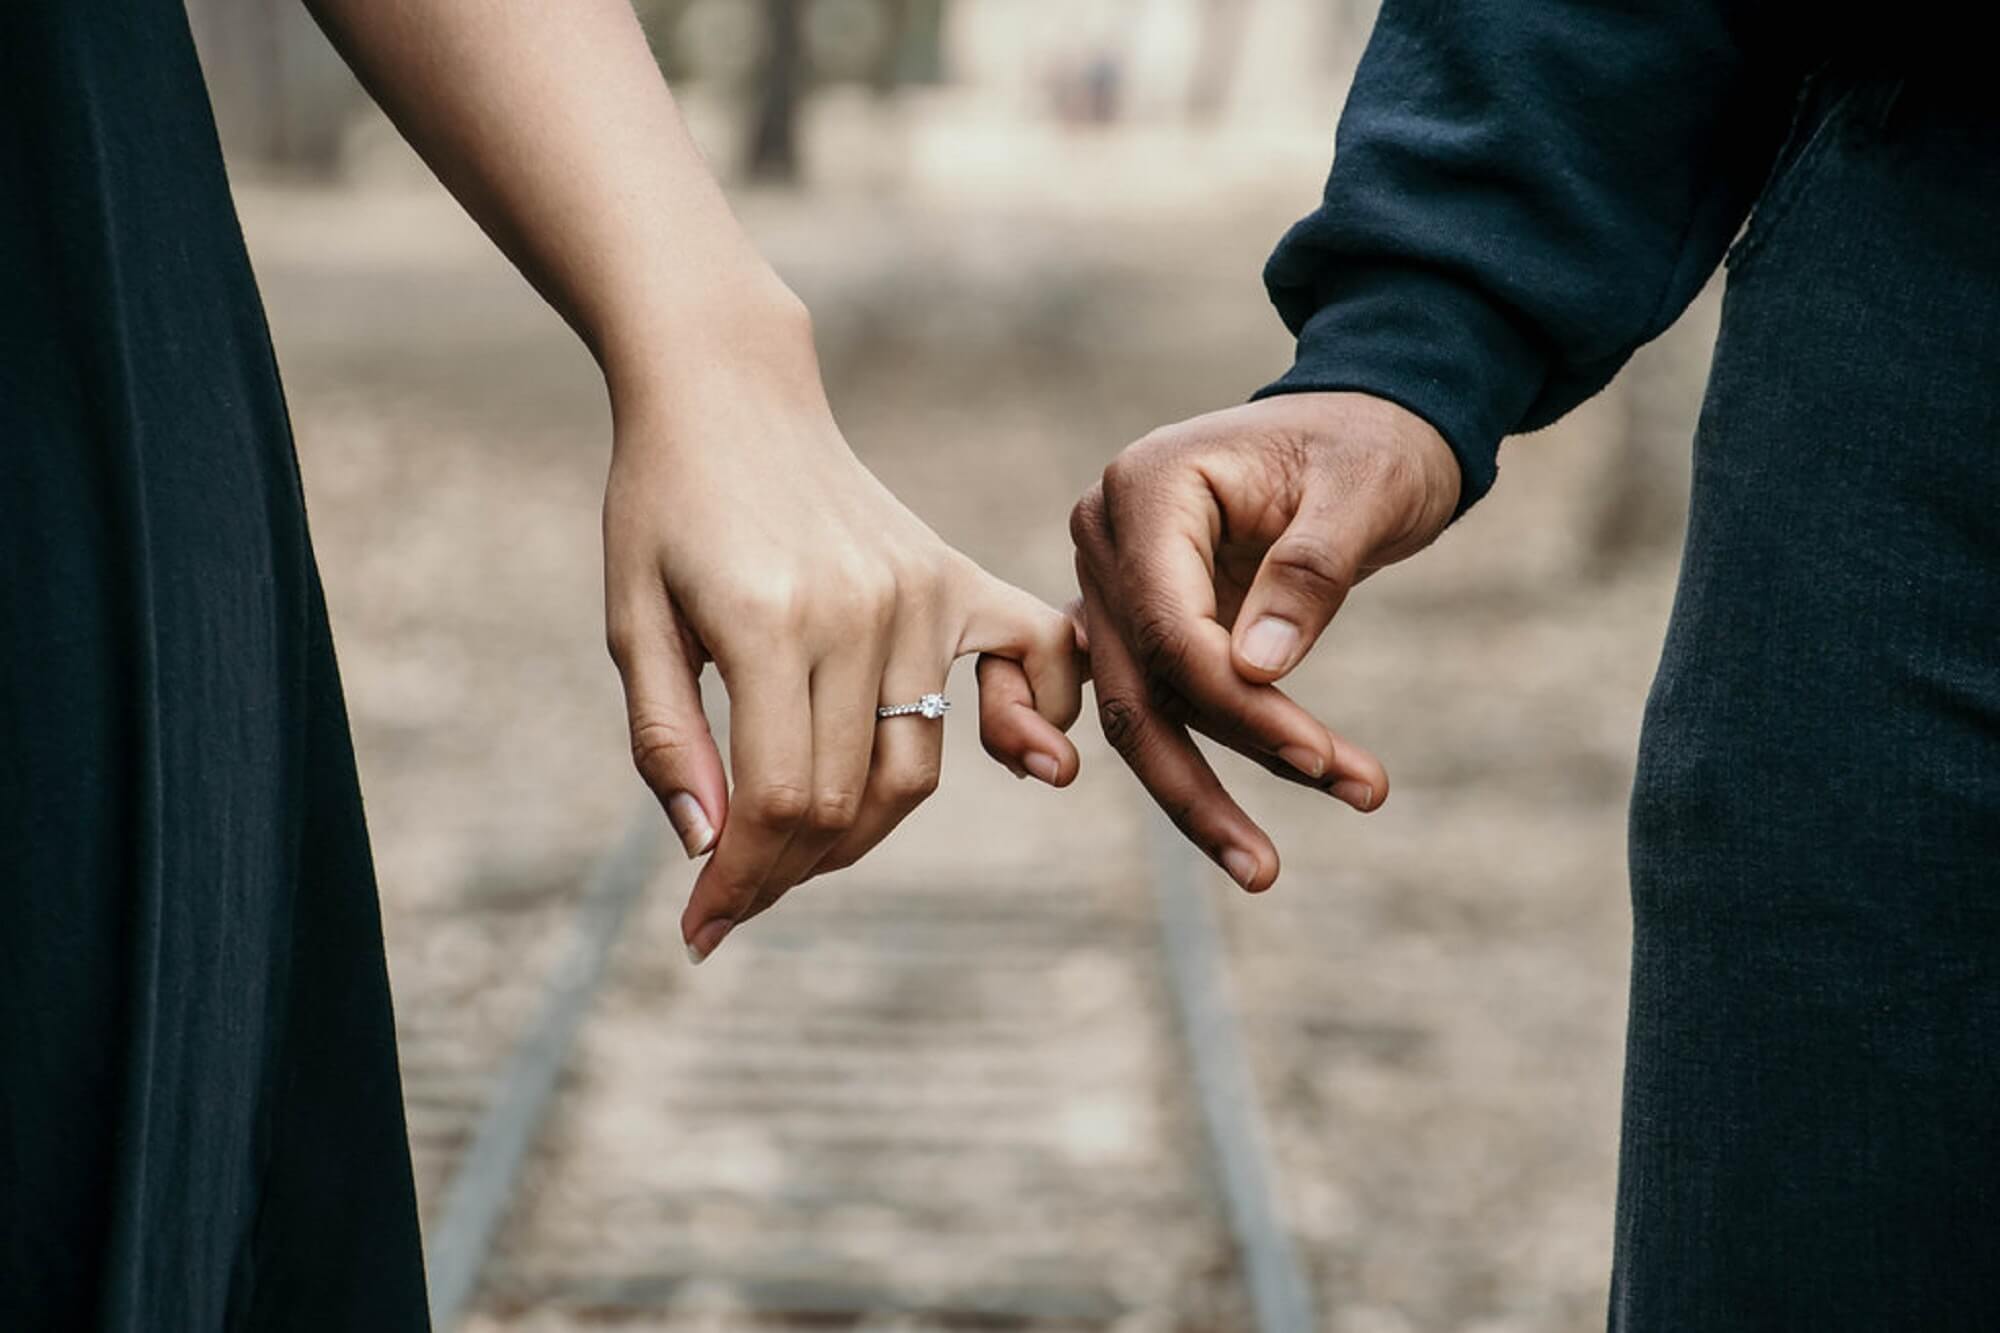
(553, 127)
(739, 528)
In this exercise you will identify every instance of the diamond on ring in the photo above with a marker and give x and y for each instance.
(932, 706)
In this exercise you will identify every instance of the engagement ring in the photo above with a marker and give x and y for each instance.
(932, 706)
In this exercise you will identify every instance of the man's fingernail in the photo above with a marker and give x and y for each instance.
(1044, 767)
(1270, 643)
(1304, 760)
(1242, 866)
(690, 821)
(704, 941)
(1357, 794)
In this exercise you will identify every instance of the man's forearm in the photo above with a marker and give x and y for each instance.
(1521, 195)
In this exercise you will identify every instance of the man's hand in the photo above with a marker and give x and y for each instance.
(1211, 556)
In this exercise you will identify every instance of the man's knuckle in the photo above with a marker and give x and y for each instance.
(1117, 476)
(1164, 700)
(1086, 517)
(1396, 470)
(1310, 559)
(1128, 474)
(1160, 642)
(1181, 808)
(1123, 721)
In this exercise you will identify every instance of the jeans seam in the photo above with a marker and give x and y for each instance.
(1791, 181)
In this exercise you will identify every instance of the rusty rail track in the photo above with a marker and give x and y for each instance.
(950, 1058)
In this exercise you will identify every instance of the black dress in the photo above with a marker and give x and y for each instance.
(200, 1116)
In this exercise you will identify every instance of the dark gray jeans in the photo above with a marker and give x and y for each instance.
(1812, 1101)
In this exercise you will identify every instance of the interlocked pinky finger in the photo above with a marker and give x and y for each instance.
(1014, 731)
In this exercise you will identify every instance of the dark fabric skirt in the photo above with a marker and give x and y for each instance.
(1812, 1104)
(200, 1121)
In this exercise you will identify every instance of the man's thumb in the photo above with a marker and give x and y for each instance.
(1301, 583)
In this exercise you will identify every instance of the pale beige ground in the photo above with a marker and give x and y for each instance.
(1433, 995)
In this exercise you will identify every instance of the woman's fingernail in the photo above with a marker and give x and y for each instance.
(704, 941)
(1270, 643)
(1044, 767)
(1304, 760)
(1357, 794)
(690, 821)
(1242, 866)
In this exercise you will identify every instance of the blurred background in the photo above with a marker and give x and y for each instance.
(957, 1086)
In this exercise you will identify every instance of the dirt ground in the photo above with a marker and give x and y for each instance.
(1433, 995)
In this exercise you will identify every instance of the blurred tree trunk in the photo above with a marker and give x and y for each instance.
(1217, 56)
(774, 126)
(914, 53)
(281, 95)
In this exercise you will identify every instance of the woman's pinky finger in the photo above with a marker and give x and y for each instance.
(1014, 732)
(1004, 621)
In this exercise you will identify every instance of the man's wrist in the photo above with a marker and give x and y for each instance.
(1386, 447)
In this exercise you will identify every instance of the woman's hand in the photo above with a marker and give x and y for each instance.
(740, 529)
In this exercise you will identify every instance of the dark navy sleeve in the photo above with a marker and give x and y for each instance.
(1523, 192)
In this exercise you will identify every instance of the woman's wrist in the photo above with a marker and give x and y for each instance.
(748, 329)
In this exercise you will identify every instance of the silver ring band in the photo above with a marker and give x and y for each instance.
(932, 706)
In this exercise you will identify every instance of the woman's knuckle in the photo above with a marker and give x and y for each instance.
(775, 600)
(876, 596)
(922, 587)
(658, 747)
(915, 784)
(1117, 475)
(780, 804)
(834, 810)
